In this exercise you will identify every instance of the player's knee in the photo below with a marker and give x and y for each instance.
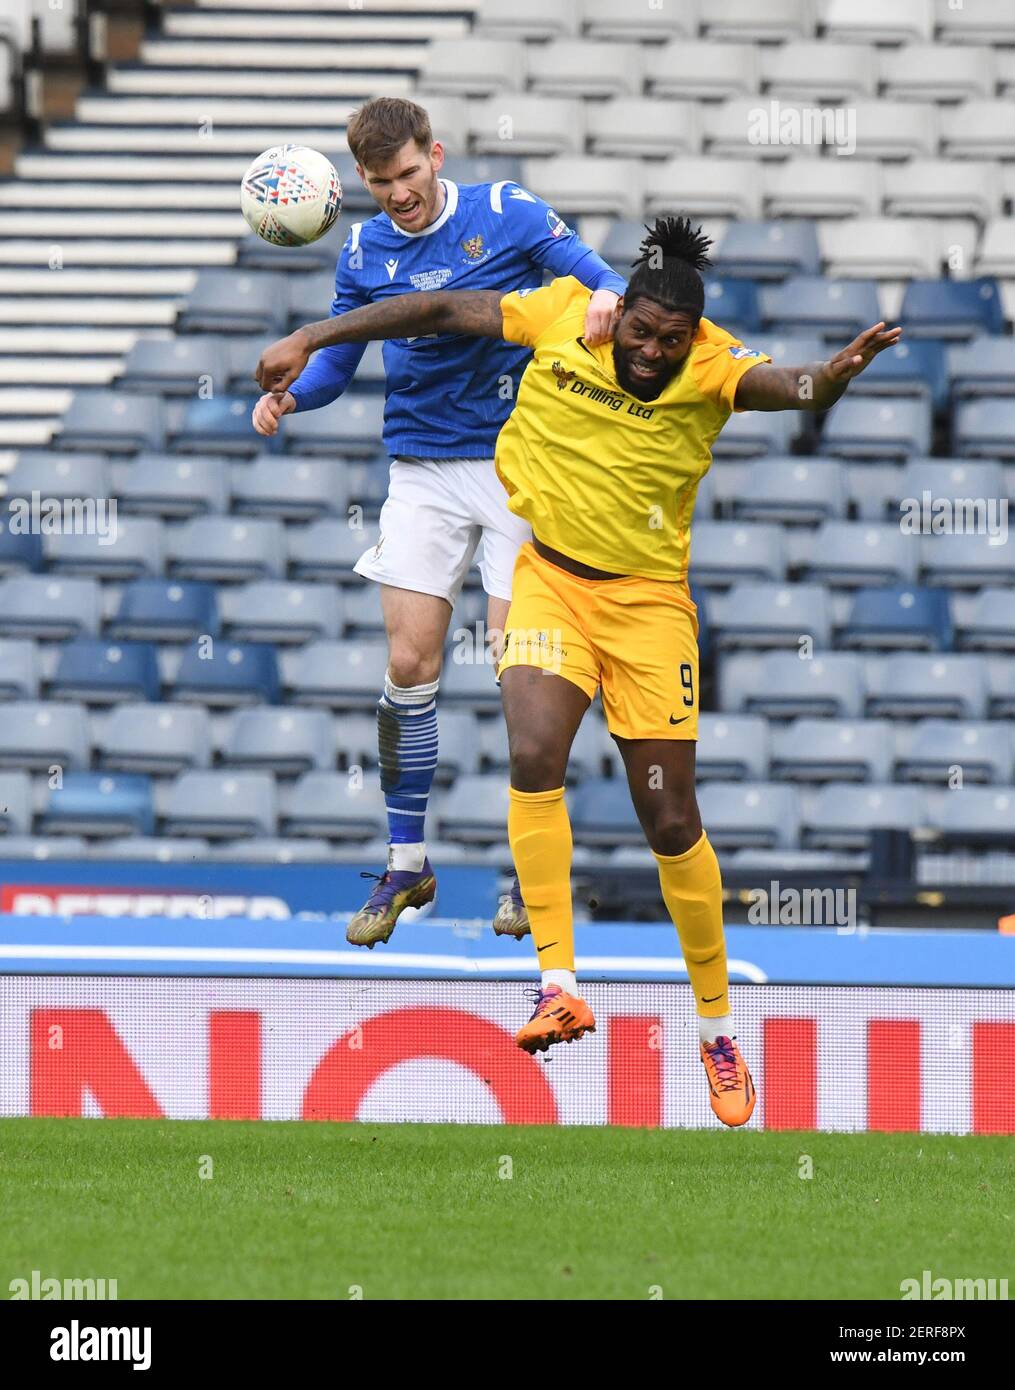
(535, 766)
(675, 830)
(409, 666)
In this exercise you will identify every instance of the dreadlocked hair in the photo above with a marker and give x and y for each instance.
(667, 270)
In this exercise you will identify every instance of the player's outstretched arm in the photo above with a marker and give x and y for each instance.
(817, 386)
(475, 313)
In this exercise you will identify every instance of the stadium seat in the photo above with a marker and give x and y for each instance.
(221, 424)
(227, 673)
(954, 479)
(752, 432)
(349, 428)
(368, 484)
(880, 248)
(704, 187)
(471, 683)
(936, 72)
(986, 623)
(953, 309)
(155, 738)
(916, 369)
(291, 489)
(886, 427)
(812, 71)
(780, 685)
(885, 619)
(274, 850)
(42, 847)
(977, 130)
(1001, 688)
(310, 299)
(979, 817)
(172, 367)
(19, 669)
(235, 301)
(165, 486)
(844, 815)
(775, 22)
(732, 748)
(227, 549)
(838, 309)
(769, 250)
(851, 554)
(38, 736)
(603, 814)
(356, 740)
(986, 22)
(156, 849)
(879, 21)
(221, 805)
(923, 686)
(286, 742)
(604, 19)
(129, 549)
(364, 615)
(530, 124)
(115, 422)
(832, 187)
(20, 550)
(971, 560)
(474, 66)
(723, 552)
(694, 70)
(15, 803)
(155, 610)
(985, 428)
(833, 750)
(460, 740)
(272, 610)
(758, 815)
(587, 757)
(642, 127)
(896, 129)
(733, 304)
(571, 67)
(983, 367)
(254, 253)
(340, 675)
(943, 188)
(771, 615)
(935, 748)
(99, 803)
(996, 255)
(791, 490)
(333, 806)
(527, 19)
(97, 672)
(53, 474)
(474, 811)
(327, 550)
(46, 606)
(578, 185)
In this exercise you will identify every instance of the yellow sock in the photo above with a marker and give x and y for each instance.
(539, 831)
(692, 891)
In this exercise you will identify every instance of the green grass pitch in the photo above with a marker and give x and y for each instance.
(329, 1211)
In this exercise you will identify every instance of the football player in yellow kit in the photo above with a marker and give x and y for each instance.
(603, 454)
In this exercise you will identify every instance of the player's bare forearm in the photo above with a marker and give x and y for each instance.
(818, 385)
(474, 313)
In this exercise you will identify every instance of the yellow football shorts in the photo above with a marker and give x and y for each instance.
(635, 639)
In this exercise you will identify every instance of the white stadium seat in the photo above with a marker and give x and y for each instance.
(878, 21)
(579, 185)
(943, 188)
(836, 186)
(474, 66)
(643, 126)
(705, 187)
(526, 123)
(745, 21)
(619, 19)
(819, 71)
(571, 67)
(976, 21)
(702, 70)
(978, 130)
(527, 19)
(879, 248)
(936, 72)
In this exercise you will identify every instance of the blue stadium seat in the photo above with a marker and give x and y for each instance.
(48, 606)
(235, 301)
(286, 742)
(843, 815)
(791, 349)
(291, 489)
(953, 309)
(888, 427)
(99, 803)
(474, 811)
(132, 548)
(272, 610)
(333, 806)
(310, 300)
(838, 309)
(341, 675)
(350, 428)
(732, 302)
(950, 477)
(460, 739)
(221, 425)
(116, 422)
(732, 747)
(788, 490)
(54, 474)
(756, 815)
(917, 369)
(970, 561)
(37, 736)
(935, 747)
(983, 367)
(1001, 688)
(221, 805)
(356, 739)
(328, 549)
(985, 622)
(227, 548)
(827, 750)
(857, 553)
(160, 610)
(98, 672)
(156, 739)
(174, 367)
(771, 615)
(20, 551)
(167, 486)
(19, 669)
(364, 614)
(782, 686)
(927, 684)
(979, 817)
(900, 616)
(603, 814)
(232, 673)
(769, 250)
(723, 552)
(985, 427)
(15, 803)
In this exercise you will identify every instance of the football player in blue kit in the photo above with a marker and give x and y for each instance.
(447, 397)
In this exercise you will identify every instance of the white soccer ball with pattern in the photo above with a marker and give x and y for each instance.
(291, 195)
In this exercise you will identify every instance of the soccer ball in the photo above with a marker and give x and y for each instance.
(290, 195)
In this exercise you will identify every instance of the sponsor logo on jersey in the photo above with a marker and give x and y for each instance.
(558, 227)
(739, 352)
(391, 266)
(521, 195)
(431, 279)
(473, 247)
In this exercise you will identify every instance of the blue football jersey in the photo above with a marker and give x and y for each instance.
(447, 395)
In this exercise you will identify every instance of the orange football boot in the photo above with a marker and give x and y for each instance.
(730, 1087)
(558, 1017)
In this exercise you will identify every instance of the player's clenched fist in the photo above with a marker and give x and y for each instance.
(269, 410)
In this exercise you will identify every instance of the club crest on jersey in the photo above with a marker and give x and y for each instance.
(473, 247)
(558, 227)
(564, 377)
(739, 352)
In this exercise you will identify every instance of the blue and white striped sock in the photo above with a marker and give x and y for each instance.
(407, 754)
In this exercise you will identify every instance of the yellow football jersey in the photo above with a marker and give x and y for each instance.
(598, 474)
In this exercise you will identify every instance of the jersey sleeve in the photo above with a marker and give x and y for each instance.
(720, 362)
(529, 313)
(548, 241)
(330, 370)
